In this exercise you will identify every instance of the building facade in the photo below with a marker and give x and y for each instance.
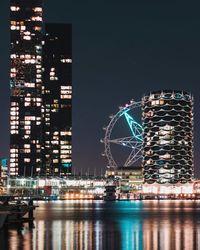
(168, 137)
(128, 178)
(40, 93)
(57, 100)
(3, 170)
(25, 87)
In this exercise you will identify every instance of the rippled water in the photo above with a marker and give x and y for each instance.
(149, 225)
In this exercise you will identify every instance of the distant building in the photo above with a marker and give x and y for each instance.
(57, 100)
(3, 169)
(25, 87)
(130, 178)
(168, 137)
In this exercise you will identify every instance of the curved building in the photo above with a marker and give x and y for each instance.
(168, 137)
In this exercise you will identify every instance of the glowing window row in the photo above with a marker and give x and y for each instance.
(66, 60)
(157, 102)
(14, 8)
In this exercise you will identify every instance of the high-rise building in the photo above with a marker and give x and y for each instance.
(25, 86)
(57, 100)
(168, 137)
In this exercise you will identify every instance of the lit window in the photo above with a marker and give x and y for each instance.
(27, 151)
(163, 142)
(168, 127)
(27, 159)
(13, 56)
(27, 104)
(65, 152)
(55, 151)
(162, 102)
(36, 18)
(150, 161)
(155, 102)
(53, 78)
(14, 8)
(66, 60)
(65, 96)
(37, 9)
(29, 85)
(13, 27)
(66, 87)
(166, 156)
(66, 160)
(14, 132)
(27, 127)
(54, 142)
(13, 150)
(27, 37)
(37, 28)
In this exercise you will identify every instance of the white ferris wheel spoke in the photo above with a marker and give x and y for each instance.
(130, 142)
(134, 156)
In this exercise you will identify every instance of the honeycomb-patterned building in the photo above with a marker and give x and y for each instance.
(168, 137)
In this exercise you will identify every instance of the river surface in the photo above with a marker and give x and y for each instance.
(148, 225)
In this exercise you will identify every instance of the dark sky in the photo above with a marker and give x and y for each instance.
(121, 50)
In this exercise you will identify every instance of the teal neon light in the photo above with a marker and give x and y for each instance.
(67, 165)
(135, 127)
(4, 162)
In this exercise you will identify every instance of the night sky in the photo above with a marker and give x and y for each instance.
(121, 50)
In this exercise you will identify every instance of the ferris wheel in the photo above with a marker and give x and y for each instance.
(132, 141)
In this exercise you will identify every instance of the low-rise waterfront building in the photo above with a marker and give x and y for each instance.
(63, 187)
(128, 179)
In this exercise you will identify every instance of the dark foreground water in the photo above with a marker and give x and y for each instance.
(149, 225)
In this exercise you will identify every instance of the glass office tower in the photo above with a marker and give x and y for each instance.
(57, 100)
(25, 87)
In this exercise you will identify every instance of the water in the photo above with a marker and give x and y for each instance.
(149, 225)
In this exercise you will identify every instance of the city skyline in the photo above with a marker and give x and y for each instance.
(133, 50)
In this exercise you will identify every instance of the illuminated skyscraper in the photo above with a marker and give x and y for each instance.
(40, 111)
(57, 100)
(25, 86)
(168, 137)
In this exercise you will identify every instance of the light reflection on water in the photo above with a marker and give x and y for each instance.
(149, 225)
